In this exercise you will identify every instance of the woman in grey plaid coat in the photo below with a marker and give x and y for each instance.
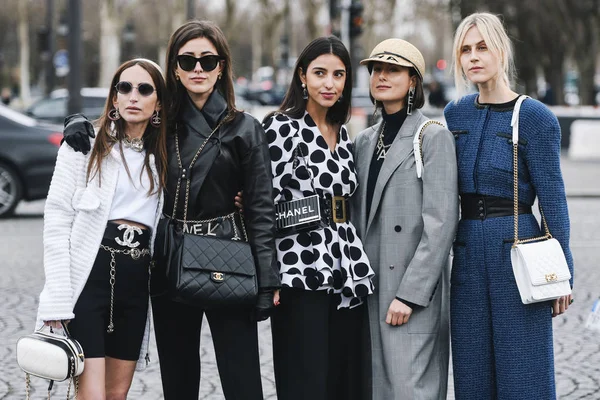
(406, 213)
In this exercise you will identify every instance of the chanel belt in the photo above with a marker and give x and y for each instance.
(134, 254)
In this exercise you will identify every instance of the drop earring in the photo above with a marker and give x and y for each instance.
(114, 115)
(304, 92)
(411, 100)
(155, 120)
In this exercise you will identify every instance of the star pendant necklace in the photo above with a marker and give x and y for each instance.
(382, 149)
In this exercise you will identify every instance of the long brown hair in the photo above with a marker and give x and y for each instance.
(110, 132)
(175, 89)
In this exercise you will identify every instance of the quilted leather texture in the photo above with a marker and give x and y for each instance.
(44, 355)
(201, 257)
(532, 263)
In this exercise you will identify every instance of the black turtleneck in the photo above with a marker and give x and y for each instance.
(393, 123)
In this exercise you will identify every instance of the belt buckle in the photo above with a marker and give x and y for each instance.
(128, 236)
(338, 208)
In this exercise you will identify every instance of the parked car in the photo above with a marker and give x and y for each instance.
(27, 156)
(53, 108)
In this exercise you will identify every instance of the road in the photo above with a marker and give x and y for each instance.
(577, 350)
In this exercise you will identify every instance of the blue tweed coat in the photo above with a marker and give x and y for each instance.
(502, 348)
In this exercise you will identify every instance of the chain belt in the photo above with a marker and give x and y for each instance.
(135, 254)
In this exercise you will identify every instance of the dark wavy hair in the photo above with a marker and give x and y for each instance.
(175, 89)
(293, 103)
(154, 138)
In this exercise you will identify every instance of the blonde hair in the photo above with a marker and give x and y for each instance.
(492, 30)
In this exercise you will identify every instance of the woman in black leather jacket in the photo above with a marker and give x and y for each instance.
(235, 158)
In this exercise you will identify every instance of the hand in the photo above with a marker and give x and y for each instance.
(78, 131)
(398, 313)
(560, 305)
(56, 324)
(238, 202)
(276, 297)
(264, 306)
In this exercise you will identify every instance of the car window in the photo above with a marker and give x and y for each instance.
(49, 108)
(94, 102)
(93, 106)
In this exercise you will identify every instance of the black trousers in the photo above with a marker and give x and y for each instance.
(235, 338)
(319, 352)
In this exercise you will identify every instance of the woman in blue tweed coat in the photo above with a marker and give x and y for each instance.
(501, 349)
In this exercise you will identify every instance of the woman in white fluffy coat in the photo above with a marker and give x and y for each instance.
(115, 190)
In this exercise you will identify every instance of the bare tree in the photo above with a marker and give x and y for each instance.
(111, 23)
(25, 80)
(311, 10)
(584, 22)
(230, 22)
(272, 12)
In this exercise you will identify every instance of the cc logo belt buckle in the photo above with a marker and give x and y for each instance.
(128, 236)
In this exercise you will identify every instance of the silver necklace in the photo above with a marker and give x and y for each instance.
(382, 149)
(135, 144)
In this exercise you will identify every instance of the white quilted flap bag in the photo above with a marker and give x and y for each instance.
(49, 355)
(541, 271)
(539, 264)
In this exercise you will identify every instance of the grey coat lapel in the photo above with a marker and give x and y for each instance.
(401, 149)
(364, 163)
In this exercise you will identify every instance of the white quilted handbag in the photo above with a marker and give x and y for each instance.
(50, 355)
(539, 264)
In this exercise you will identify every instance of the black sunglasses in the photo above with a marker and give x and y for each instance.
(124, 87)
(208, 63)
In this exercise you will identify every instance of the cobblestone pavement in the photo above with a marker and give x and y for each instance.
(577, 350)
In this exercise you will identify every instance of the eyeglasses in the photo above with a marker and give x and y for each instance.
(208, 63)
(124, 87)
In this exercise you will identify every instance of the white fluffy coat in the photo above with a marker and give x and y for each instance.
(75, 218)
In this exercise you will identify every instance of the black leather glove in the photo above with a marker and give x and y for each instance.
(78, 131)
(264, 306)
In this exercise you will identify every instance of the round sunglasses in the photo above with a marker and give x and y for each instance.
(124, 87)
(208, 63)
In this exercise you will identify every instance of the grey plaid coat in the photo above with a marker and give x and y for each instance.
(407, 237)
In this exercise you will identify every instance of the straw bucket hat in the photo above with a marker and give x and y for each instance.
(399, 52)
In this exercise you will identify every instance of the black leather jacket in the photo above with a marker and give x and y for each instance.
(236, 158)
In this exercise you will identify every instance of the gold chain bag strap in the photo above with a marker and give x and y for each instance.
(418, 145)
(539, 264)
(51, 356)
(210, 271)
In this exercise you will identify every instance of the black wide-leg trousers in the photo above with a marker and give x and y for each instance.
(235, 338)
(319, 352)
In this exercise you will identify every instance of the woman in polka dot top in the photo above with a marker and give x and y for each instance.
(317, 329)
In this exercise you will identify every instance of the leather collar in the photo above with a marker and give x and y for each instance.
(205, 120)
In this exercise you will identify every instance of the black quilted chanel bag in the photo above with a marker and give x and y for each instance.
(214, 272)
(207, 271)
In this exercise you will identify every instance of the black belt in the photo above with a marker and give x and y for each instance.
(127, 236)
(477, 206)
